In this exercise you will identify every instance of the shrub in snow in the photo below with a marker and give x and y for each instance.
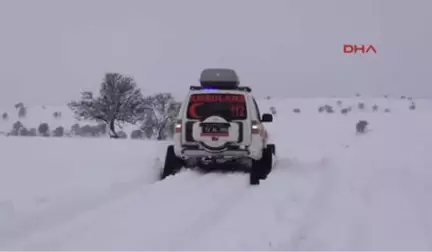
(122, 135)
(148, 132)
(32, 132)
(387, 110)
(75, 129)
(339, 103)
(273, 110)
(88, 131)
(25, 132)
(361, 105)
(296, 110)
(412, 106)
(19, 105)
(361, 126)
(5, 116)
(375, 107)
(328, 109)
(358, 94)
(43, 129)
(137, 134)
(58, 132)
(403, 97)
(57, 114)
(101, 128)
(22, 112)
(344, 111)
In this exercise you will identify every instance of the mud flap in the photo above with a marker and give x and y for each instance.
(172, 165)
(261, 168)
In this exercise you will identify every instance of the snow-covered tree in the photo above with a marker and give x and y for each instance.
(22, 110)
(18, 129)
(58, 132)
(43, 129)
(137, 134)
(119, 101)
(159, 116)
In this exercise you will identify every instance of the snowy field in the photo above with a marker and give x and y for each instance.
(330, 190)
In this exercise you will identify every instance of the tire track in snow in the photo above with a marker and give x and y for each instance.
(313, 213)
(265, 216)
(182, 211)
(159, 206)
(342, 208)
(233, 193)
(229, 200)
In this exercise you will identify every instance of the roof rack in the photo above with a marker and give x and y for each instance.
(244, 89)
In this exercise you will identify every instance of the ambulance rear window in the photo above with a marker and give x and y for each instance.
(228, 106)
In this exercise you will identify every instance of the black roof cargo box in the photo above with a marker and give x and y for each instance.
(221, 78)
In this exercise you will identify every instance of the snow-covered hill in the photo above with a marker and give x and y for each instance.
(45, 114)
(331, 189)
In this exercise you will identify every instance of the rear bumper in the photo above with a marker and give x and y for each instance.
(204, 153)
(230, 151)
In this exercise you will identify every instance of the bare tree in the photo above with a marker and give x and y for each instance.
(159, 117)
(119, 101)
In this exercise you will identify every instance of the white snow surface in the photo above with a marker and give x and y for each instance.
(331, 189)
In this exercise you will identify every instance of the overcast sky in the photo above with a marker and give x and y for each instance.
(50, 50)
